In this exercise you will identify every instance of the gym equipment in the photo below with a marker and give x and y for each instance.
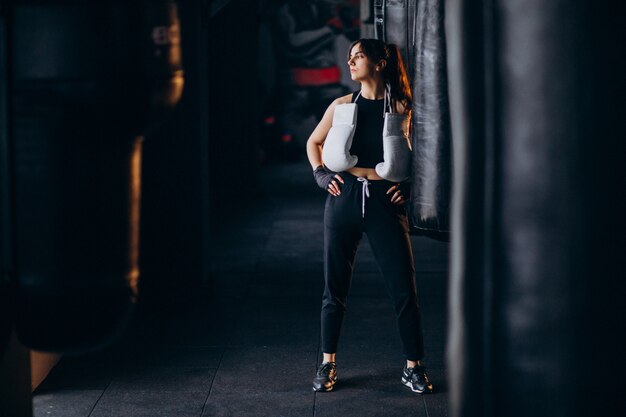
(336, 150)
(417, 29)
(88, 80)
(537, 323)
(396, 166)
(429, 206)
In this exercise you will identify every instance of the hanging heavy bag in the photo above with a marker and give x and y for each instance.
(395, 25)
(396, 165)
(336, 150)
(431, 138)
(81, 99)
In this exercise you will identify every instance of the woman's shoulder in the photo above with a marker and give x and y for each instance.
(343, 99)
(330, 111)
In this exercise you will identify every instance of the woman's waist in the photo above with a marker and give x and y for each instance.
(373, 179)
(368, 173)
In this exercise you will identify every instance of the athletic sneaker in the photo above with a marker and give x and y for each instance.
(326, 377)
(416, 379)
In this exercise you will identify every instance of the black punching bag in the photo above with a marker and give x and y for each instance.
(394, 28)
(417, 28)
(87, 78)
(538, 323)
(430, 136)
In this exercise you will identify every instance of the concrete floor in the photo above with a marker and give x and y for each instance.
(248, 345)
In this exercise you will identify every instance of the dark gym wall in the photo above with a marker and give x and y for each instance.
(207, 152)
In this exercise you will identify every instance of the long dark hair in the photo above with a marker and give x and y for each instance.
(394, 72)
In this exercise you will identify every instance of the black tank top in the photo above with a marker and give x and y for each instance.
(367, 143)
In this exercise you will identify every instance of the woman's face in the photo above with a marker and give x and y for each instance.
(361, 67)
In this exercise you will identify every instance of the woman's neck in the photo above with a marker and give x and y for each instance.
(372, 89)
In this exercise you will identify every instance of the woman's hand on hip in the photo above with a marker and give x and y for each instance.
(328, 180)
(334, 187)
(397, 197)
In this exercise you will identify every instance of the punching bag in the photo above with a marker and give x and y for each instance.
(393, 27)
(87, 79)
(537, 319)
(417, 28)
(431, 138)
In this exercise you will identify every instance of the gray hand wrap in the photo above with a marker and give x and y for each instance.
(323, 177)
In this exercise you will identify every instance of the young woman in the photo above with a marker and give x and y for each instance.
(360, 201)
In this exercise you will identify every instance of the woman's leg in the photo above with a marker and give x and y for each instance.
(393, 255)
(387, 231)
(328, 357)
(340, 246)
(386, 227)
(342, 233)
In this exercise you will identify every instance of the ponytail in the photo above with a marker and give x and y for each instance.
(395, 74)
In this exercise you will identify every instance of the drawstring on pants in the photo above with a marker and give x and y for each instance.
(365, 193)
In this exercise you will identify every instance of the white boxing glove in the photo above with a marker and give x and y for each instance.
(336, 150)
(396, 163)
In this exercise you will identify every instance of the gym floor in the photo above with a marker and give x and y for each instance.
(248, 344)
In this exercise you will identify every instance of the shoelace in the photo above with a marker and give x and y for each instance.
(365, 193)
(325, 369)
(417, 374)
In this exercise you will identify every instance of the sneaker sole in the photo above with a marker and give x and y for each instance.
(408, 384)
